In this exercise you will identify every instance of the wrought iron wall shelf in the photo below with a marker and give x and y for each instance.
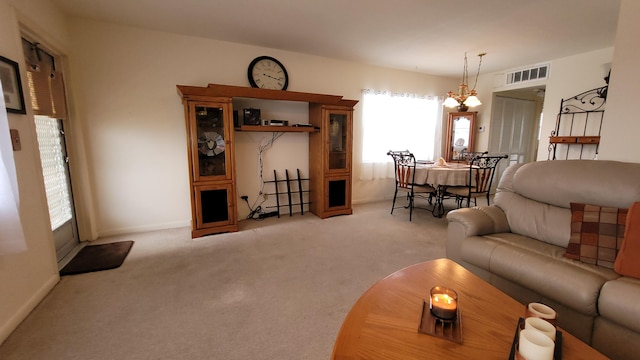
(578, 125)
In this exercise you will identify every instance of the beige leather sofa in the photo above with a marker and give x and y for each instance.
(518, 243)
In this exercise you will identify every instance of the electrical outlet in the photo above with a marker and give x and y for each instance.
(15, 139)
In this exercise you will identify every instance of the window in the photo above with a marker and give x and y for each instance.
(398, 121)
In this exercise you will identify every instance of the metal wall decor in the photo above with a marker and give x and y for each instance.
(578, 125)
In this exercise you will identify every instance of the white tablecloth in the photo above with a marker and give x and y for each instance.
(450, 175)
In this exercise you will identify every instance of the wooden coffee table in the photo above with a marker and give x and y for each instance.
(383, 323)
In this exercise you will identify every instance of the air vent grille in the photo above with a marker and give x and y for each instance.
(535, 73)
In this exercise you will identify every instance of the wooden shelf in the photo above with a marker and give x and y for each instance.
(260, 128)
(217, 90)
(574, 139)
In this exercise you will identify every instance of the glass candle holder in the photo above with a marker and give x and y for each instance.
(443, 303)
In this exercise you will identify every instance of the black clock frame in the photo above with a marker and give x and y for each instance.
(260, 58)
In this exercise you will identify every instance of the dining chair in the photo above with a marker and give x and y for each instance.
(482, 170)
(404, 172)
(467, 156)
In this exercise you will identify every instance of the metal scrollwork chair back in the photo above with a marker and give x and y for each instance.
(404, 171)
(482, 170)
(467, 156)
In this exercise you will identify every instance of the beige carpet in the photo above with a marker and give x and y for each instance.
(277, 289)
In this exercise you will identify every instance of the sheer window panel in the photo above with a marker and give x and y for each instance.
(397, 121)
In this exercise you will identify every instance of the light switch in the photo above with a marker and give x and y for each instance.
(15, 139)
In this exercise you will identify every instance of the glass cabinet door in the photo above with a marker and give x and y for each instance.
(460, 135)
(338, 141)
(210, 134)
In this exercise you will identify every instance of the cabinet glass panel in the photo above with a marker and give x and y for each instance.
(338, 141)
(215, 207)
(211, 142)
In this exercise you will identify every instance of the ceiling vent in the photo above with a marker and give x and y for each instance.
(535, 73)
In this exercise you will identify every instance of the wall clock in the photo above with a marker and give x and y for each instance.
(266, 72)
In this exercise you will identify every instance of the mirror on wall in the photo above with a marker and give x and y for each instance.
(460, 134)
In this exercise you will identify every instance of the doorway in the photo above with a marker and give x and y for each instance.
(49, 105)
(55, 171)
(515, 125)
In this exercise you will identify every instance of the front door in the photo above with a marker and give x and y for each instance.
(514, 131)
(55, 170)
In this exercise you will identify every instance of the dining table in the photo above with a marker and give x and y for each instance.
(440, 176)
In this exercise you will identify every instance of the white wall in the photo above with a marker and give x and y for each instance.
(25, 278)
(621, 125)
(125, 79)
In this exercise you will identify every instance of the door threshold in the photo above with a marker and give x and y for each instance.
(67, 258)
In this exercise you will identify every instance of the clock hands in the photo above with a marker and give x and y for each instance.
(274, 78)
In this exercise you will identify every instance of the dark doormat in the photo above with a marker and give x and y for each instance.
(97, 258)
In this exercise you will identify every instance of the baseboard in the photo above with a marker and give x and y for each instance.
(145, 228)
(24, 311)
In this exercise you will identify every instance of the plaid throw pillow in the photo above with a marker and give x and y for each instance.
(596, 234)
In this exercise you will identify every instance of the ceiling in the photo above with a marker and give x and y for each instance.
(428, 36)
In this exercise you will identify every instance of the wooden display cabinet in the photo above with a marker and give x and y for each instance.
(461, 134)
(330, 152)
(211, 160)
(210, 139)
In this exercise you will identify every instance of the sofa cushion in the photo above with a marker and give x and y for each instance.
(596, 234)
(534, 219)
(538, 266)
(629, 253)
(619, 301)
(562, 182)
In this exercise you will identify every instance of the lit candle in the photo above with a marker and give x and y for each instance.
(443, 303)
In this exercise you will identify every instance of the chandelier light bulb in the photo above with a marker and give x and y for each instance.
(472, 101)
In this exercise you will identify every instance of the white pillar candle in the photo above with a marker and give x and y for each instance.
(542, 311)
(534, 345)
(540, 325)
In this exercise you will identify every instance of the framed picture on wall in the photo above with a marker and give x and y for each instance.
(11, 86)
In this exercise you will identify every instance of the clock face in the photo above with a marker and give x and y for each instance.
(266, 72)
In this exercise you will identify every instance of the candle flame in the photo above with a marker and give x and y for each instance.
(446, 298)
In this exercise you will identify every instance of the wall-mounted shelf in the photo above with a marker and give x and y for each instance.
(259, 128)
(578, 126)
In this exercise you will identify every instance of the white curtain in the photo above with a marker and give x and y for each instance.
(398, 121)
(11, 236)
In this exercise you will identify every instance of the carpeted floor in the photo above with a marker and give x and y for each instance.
(277, 289)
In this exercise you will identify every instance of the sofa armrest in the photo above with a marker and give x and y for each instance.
(475, 221)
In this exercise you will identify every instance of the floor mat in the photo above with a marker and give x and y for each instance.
(98, 257)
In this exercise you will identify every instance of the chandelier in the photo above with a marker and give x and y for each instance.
(465, 98)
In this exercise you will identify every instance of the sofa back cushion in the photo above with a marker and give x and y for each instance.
(534, 219)
(536, 196)
(561, 182)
